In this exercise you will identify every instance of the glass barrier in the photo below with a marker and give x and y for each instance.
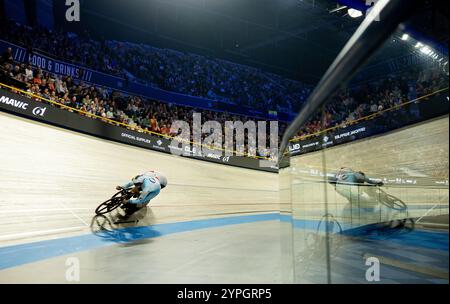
(374, 208)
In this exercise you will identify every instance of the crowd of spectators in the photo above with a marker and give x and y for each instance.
(82, 50)
(368, 99)
(157, 117)
(135, 112)
(167, 69)
(211, 78)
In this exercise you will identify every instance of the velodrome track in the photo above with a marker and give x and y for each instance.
(53, 179)
(212, 224)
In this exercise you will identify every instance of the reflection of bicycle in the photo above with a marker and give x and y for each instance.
(102, 226)
(327, 237)
(391, 201)
(398, 219)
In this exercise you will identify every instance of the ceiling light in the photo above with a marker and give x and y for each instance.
(426, 50)
(354, 13)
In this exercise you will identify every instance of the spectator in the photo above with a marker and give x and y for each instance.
(8, 56)
(29, 73)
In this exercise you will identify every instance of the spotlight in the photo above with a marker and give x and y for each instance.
(354, 13)
(405, 37)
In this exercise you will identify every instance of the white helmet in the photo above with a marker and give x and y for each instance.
(162, 179)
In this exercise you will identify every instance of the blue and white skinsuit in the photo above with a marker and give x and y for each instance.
(150, 187)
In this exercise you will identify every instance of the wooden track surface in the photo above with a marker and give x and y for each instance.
(53, 179)
(419, 150)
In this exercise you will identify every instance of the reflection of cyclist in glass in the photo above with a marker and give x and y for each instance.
(364, 196)
(355, 185)
(348, 176)
(361, 193)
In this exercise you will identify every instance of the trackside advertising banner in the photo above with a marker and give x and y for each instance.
(48, 64)
(330, 139)
(29, 108)
(434, 106)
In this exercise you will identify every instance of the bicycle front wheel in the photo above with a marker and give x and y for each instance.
(109, 206)
(395, 203)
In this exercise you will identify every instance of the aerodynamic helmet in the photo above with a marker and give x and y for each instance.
(162, 179)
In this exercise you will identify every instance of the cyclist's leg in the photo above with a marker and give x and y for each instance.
(149, 191)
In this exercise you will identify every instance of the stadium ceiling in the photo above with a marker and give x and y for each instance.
(297, 38)
(292, 37)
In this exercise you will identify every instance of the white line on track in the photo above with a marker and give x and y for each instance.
(426, 213)
(42, 210)
(15, 236)
(73, 213)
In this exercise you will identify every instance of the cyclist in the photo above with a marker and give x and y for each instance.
(149, 185)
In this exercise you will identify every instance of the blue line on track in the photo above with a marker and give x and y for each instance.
(12, 256)
(16, 255)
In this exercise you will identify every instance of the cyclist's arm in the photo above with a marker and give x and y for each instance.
(373, 181)
(128, 185)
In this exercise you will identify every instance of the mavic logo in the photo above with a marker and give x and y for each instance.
(14, 103)
(325, 139)
(159, 142)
